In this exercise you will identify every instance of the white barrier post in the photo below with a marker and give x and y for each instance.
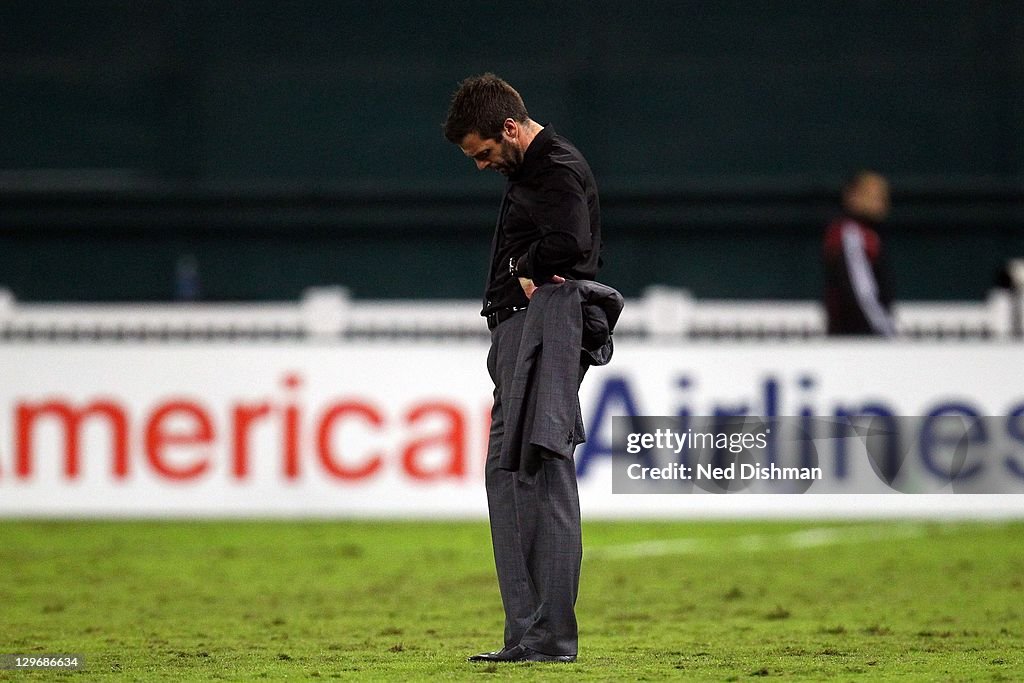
(324, 312)
(1000, 303)
(668, 312)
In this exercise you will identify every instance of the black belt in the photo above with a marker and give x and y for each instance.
(495, 318)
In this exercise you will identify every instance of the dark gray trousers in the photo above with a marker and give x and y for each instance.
(535, 528)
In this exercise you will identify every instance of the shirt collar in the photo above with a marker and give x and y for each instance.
(533, 153)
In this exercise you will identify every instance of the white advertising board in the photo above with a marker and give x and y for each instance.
(399, 429)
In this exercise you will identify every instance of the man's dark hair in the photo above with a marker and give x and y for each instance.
(480, 105)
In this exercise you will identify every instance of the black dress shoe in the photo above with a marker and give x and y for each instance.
(505, 654)
(534, 656)
(520, 653)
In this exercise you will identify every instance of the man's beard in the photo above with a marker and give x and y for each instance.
(511, 158)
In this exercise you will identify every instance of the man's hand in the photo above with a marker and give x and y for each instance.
(529, 288)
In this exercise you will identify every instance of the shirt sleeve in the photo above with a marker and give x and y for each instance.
(563, 217)
(864, 284)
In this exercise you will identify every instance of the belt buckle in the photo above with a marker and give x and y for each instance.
(502, 314)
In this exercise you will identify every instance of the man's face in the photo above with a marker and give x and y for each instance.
(503, 155)
(869, 198)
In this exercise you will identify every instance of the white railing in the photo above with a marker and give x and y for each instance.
(330, 313)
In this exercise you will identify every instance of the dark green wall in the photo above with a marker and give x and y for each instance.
(718, 131)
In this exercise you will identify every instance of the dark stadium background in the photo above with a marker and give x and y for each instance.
(291, 144)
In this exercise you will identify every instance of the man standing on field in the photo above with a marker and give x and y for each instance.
(548, 231)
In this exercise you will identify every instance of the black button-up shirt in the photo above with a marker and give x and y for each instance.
(549, 224)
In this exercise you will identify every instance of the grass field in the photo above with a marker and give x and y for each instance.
(409, 601)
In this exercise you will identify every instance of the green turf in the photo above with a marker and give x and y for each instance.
(408, 601)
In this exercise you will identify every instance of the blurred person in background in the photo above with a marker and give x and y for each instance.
(858, 291)
(548, 231)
